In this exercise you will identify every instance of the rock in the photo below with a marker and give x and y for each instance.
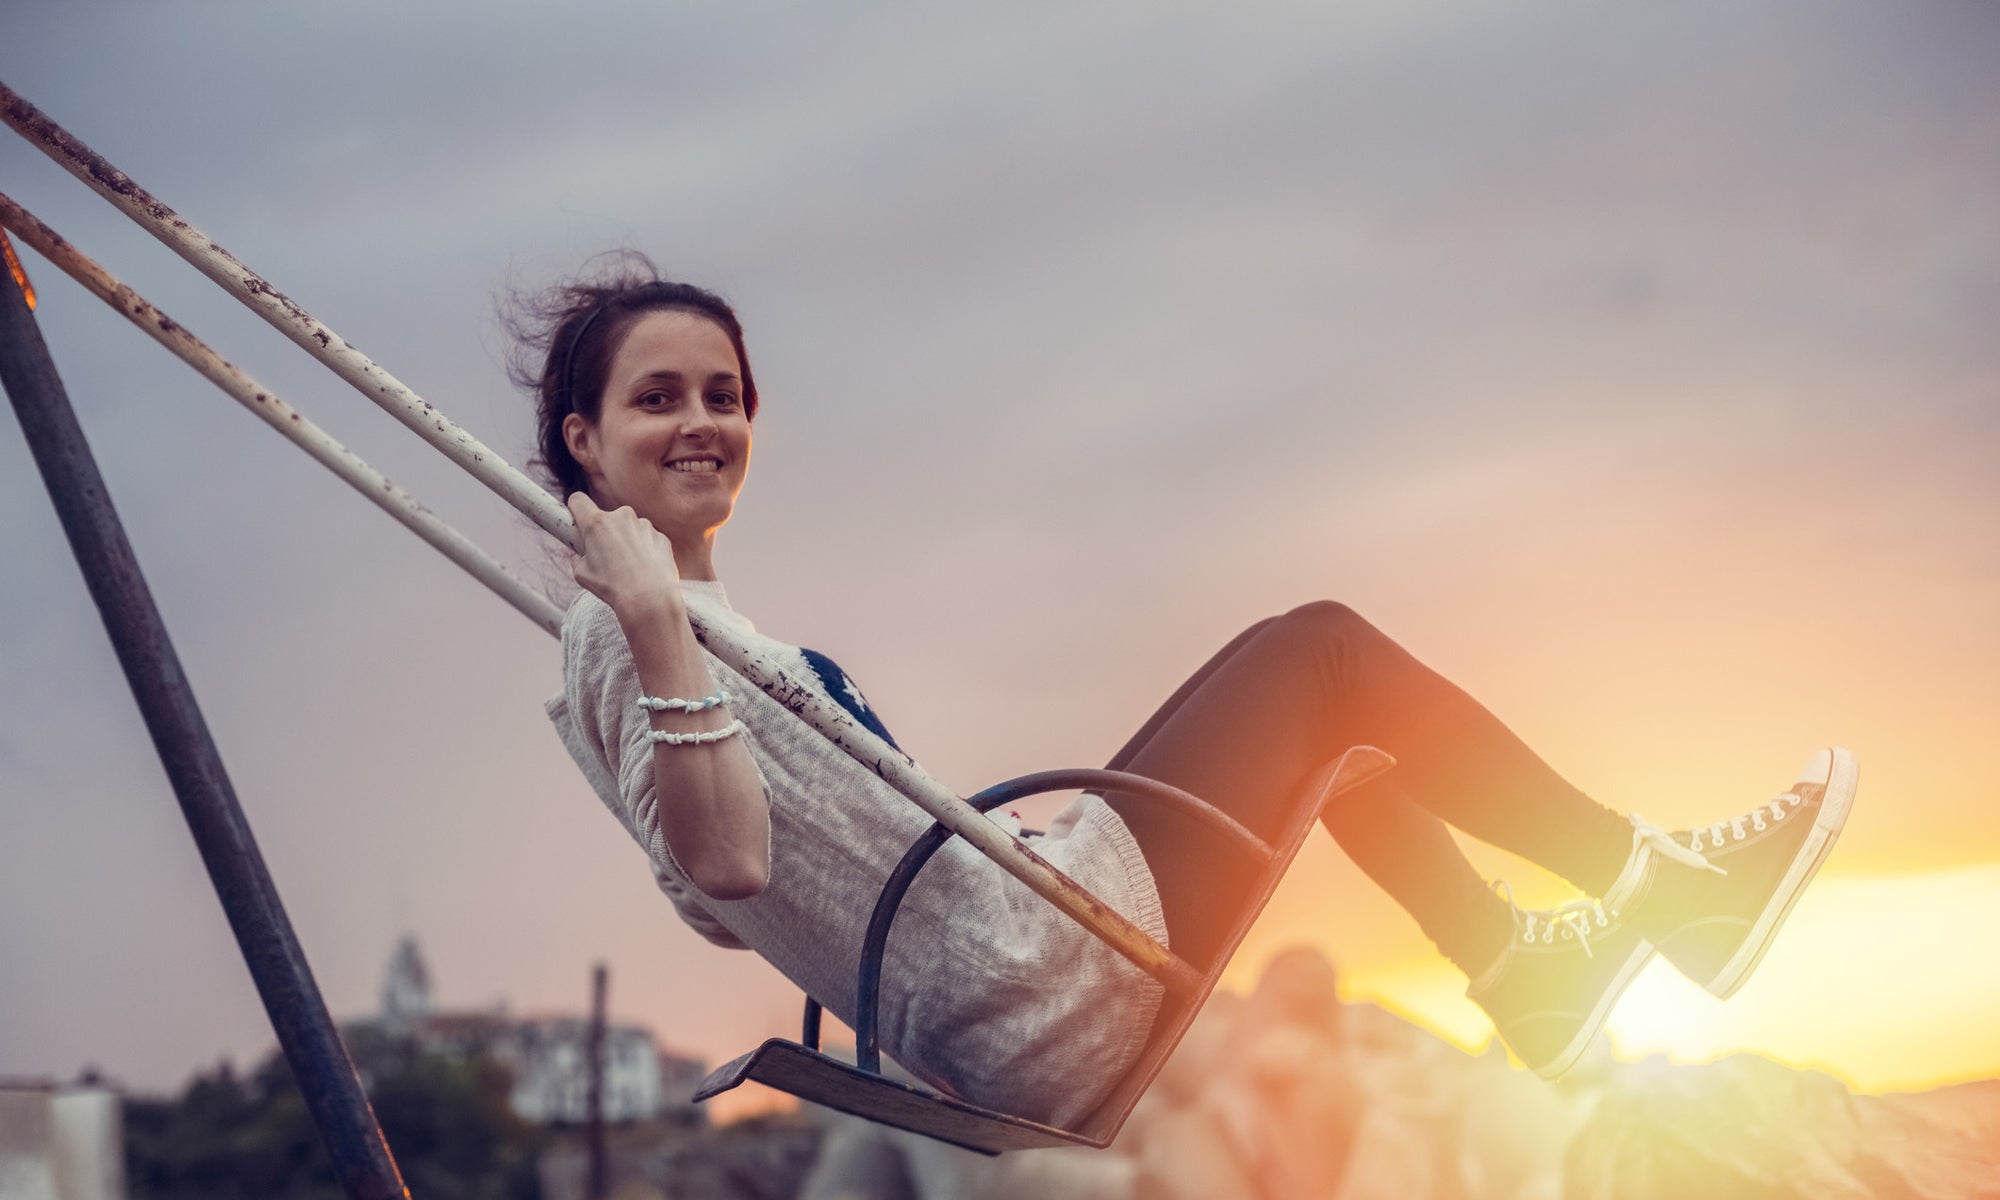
(1298, 987)
(857, 1162)
(1057, 1174)
(1392, 1160)
(1187, 1154)
(1748, 1126)
(1203, 1051)
(1512, 1131)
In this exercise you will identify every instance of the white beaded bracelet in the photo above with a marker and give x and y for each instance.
(657, 736)
(678, 705)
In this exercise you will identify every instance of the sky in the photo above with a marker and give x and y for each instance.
(1633, 367)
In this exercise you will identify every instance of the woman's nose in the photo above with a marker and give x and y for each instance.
(700, 422)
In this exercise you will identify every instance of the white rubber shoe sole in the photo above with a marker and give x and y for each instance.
(1840, 774)
(1559, 1066)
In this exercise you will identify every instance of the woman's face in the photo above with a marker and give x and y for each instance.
(671, 438)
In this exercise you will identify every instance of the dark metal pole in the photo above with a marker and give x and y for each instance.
(306, 1033)
(599, 1185)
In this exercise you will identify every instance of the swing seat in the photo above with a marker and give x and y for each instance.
(860, 1089)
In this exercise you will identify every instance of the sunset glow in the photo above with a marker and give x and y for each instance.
(1873, 980)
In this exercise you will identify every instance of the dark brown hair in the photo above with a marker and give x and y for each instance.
(566, 336)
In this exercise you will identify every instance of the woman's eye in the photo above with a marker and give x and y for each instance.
(722, 399)
(655, 400)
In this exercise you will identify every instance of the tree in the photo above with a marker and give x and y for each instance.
(446, 1117)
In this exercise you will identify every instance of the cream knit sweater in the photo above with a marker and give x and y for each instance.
(987, 990)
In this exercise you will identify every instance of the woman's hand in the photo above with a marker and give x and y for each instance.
(626, 562)
(707, 800)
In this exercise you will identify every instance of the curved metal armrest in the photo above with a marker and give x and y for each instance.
(1093, 780)
(809, 1025)
(867, 1051)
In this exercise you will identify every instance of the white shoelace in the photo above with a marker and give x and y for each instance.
(1581, 919)
(1662, 843)
(1577, 919)
(1777, 807)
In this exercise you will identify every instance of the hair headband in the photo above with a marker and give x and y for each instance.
(569, 356)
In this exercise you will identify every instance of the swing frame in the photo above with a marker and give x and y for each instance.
(277, 963)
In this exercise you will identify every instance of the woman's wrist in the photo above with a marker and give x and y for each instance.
(649, 609)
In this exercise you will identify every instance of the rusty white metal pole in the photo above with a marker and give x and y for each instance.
(832, 722)
(282, 417)
(277, 308)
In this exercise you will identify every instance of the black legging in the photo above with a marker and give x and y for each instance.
(1290, 694)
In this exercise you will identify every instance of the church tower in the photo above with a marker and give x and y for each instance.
(406, 990)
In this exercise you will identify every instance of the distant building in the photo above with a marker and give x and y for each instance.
(548, 1055)
(406, 990)
(61, 1141)
(552, 1072)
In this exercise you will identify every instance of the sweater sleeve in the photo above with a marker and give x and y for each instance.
(605, 731)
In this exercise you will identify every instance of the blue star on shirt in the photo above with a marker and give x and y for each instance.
(845, 692)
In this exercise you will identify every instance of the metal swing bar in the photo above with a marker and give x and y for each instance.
(323, 447)
(832, 722)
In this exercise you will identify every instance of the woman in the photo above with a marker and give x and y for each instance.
(767, 837)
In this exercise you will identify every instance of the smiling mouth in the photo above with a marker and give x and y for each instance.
(695, 466)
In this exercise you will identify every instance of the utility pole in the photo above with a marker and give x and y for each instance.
(599, 1185)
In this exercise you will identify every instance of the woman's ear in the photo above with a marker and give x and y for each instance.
(581, 438)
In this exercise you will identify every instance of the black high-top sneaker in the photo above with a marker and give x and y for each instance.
(1551, 989)
(1712, 897)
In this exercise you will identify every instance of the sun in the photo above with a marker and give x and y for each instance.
(1663, 1013)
